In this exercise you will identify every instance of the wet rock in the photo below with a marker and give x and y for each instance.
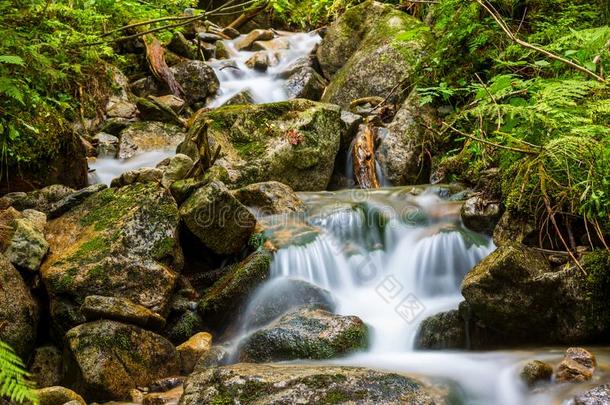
(535, 372)
(261, 61)
(170, 397)
(74, 199)
(118, 243)
(177, 169)
(39, 200)
(18, 310)
(513, 227)
(26, 246)
(307, 333)
(368, 51)
(274, 45)
(516, 294)
(197, 79)
(209, 37)
(599, 395)
(148, 136)
(96, 307)
(243, 97)
(306, 83)
(293, 142)
(305, 384)
(218, 219)
(226, 296)
(108, 359)
(577, 366)
(114, 126)
(47, 367)
(507, 287)
(222, 52)
(269, 198)
(281, 296)
(182, 47)
(480, 215)
(402, 158)
(152, 110)
(147, 86)
(351, 123)
(58, 396)
(230, 32)
(442, 331)
(166, 384)
(217, 355)
(256, 35)
(106, 144)
(171, 101)
(193, 349)
(142, 175)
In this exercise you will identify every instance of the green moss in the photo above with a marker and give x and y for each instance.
(597, 266)
(163, 248)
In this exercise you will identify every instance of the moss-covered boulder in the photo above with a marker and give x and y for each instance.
(220, 302)
(218, 219)
(269, 198)
(276, 384)
(536, 372)
(306, 333)
(369, 50)
(293, 142)
(197, 79)
(18, 310)
(445, 330)
(22, 238)
(96, 307)
(107, 359)
(520, 299)
(118, 243)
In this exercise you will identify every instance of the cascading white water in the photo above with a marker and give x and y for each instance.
(393, 258)
(264, 87)
(234, 76)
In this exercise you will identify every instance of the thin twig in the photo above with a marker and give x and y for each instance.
(496, 16)
(485, 141)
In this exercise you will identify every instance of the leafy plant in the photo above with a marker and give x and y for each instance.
(14, 382)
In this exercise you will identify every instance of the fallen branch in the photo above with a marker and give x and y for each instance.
(498, 18)
(155, 55)
(247, 17)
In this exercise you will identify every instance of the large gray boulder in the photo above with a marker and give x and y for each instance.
(107, 359)
(197, 79)
(275, 384)
(369, 51)
(306, 333)
(218, 219)
(18, 310)
(293, 142)
(118, 243)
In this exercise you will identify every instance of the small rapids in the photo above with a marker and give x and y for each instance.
(394, 257)
(234, 77)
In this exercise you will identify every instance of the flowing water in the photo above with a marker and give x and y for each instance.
(393, 257)
(234, 77)
(390, 256)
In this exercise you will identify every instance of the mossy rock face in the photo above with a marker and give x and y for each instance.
(306, 333)
(387, 46)
(118, 243)
(293, 142)
(446, 330)
(106, 359)
(218, 219)
(18, 310)
(269, 198)
(272, 384)
(516, 295)
(225, 297)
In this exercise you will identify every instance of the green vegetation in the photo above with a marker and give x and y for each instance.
(49, 78)
(14, 380)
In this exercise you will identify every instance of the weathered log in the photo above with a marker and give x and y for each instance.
(363, 156)
(155, 55)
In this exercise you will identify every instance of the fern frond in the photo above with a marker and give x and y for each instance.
(14, 379)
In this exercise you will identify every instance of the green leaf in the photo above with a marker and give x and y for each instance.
(12, 60)
(541, 63)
